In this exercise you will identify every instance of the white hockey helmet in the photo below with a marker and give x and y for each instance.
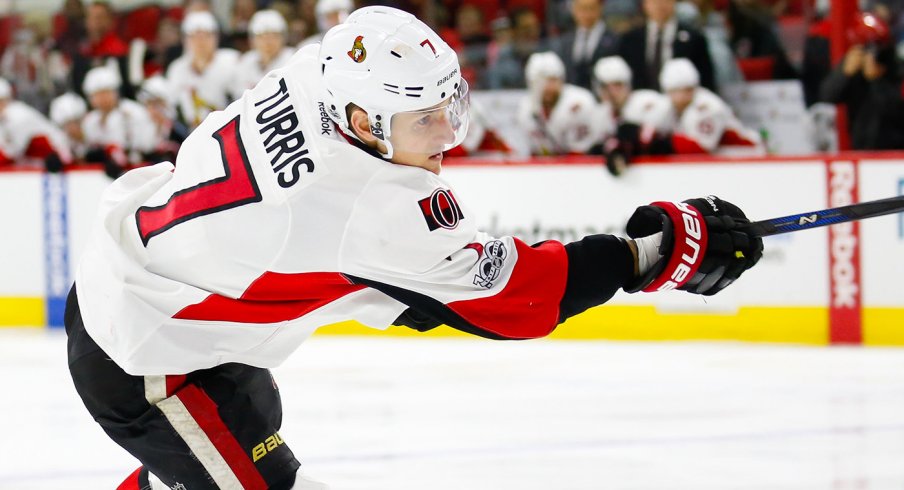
(678, 73)
(67, 107)
(612, 69)
(101, 78)
(199, 21)
(388, 62)
(6, 90)
(156, 88)
(264, 21)
(540, 68)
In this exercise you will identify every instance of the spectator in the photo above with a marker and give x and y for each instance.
(817, 62)
(204, 77)
(70, 33)
(648, 47)
(239, 25)
(558, 117)
(867, 83)
(329, 13)
(118, 132)
(472, 42)
(507, 69)
(702, 15)
(268, 40)
(67, 112)
(756, 45)
(588, 42)
(26, 133)
(156, 97)
(101, 46)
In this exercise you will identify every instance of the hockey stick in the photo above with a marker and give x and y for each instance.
(826, 217)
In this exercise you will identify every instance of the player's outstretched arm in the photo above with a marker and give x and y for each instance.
(696, 246)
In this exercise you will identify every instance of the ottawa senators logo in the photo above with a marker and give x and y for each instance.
(358, 53)
(441, 210)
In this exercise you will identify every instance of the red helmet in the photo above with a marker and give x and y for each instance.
(868, 28)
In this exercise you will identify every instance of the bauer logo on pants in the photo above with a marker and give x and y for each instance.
(441, 210)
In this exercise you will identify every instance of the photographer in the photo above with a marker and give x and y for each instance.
(867, 83)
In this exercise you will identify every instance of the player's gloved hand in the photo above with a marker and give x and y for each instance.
(702, 248)
(621, 147)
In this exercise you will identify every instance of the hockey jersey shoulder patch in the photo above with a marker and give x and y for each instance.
(441, 210)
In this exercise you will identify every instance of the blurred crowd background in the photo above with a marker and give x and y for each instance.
(123, 83)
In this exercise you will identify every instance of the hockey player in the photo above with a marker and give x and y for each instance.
(25, 133)
(118, 132)
(157, 98)
(620, 103)
(697, 121)
(558, 117)
(203, 78)
(313, 199)
(67, 112)
(620, 107)
(267, 30)
(701, 121)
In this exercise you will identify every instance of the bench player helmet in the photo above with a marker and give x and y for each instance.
(541, 67)
(388, 62)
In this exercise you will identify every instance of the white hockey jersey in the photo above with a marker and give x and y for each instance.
(270, 225)
(708, 125)
(573, 126)
(127, 128)
(199, 94)
(21, 126)
(251, 70)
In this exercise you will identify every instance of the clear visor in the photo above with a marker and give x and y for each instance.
(433, 130)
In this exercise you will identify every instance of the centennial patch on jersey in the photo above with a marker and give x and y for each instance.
(494, 254)
(283, 141)
(441, 210)
(358, 53)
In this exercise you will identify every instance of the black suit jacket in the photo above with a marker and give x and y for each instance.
(688, 43)
(581, 73)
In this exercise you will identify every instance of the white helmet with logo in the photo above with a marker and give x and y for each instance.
(388, 62)
(67, 107)
(612, 69)
(678, 73)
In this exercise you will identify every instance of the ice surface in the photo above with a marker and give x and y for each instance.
(405, 414)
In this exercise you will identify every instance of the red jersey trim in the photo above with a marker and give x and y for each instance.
(273, 297)
(528, 306)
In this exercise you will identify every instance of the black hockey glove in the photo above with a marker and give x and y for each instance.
(703, 249)
(620, 148)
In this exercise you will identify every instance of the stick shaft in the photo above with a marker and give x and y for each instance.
(826, 217)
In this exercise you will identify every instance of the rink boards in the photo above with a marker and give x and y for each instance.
(812, 287)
